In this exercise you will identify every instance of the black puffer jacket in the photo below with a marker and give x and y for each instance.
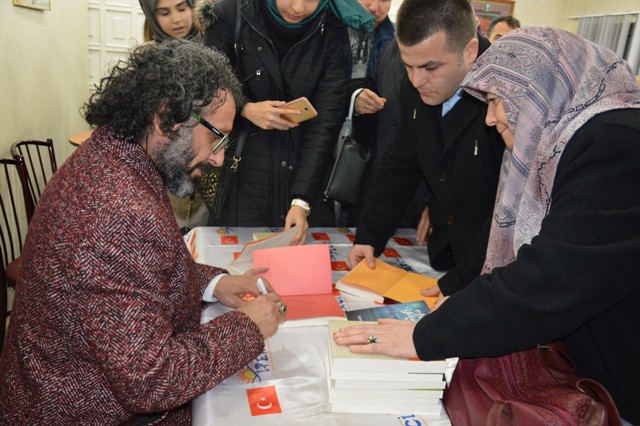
(278, 166)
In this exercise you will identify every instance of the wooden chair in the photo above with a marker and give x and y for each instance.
(16, 210)
(40, 161)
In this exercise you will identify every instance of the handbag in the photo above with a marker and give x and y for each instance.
(351, 160)
(533, 387)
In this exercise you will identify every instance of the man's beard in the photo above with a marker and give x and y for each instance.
(173, 159)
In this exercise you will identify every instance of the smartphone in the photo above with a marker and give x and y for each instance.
(307, 111)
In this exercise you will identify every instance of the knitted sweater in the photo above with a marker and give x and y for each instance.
(106, 315)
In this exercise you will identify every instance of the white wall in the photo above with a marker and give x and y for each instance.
(43, 77)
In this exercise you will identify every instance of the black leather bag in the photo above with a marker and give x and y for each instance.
(352, 159)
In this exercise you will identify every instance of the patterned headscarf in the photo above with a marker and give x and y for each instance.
(551, 83)
(149, 9)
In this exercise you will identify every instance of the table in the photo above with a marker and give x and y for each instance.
(78, 138)
(293, 360)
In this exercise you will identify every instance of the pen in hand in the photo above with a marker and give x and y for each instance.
(263, 290)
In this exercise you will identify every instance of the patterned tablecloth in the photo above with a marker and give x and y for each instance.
(290, 373)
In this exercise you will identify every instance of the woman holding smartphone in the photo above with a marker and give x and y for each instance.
(290, 49)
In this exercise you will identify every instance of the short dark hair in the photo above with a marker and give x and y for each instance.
(418, 20)
(507, 19)
(173, 78)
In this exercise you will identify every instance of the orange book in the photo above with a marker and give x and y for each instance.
(386, 281)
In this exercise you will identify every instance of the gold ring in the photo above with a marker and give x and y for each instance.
(282, 308)
(373, 339)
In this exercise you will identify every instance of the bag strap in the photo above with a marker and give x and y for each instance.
(237, 156)
(347, 126)
(238, 47)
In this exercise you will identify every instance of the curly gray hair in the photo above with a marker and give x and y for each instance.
(173, 78)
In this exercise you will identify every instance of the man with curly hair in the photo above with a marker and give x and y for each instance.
(105, 325)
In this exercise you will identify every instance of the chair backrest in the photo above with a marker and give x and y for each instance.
(40, 161)
(16, 210)
(16, 207)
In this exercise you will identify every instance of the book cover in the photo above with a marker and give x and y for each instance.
(244, 261)
(296, 270)
(412, 311)
(386, 281)
(342, 359)
(311, 309)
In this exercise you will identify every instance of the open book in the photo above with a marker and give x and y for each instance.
(244, 261)
(386, 281)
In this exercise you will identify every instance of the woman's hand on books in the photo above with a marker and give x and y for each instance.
(392, 337)
(359, 252)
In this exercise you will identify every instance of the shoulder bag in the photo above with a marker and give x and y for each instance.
(533, 387)
(347, 175)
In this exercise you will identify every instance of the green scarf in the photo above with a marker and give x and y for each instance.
(350, 12)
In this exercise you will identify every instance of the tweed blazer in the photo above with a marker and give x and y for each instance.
(106, 315)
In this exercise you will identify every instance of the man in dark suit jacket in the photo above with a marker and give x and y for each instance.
(443, 139)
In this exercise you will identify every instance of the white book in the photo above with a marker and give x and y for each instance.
(373, 384)
(415, 378)
(431, 409)
(370, 401)
(359, 291)
(374, 396)
(342, 359)
(381, 400)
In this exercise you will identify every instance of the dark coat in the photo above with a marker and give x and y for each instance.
(277, 165)
(578, 278)
(378, 131)
(459, 158)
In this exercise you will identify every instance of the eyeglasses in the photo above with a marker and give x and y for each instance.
(224, 139)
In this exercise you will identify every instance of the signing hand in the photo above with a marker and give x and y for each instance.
(265, 312)
(268, 116)
(231, 289)
(394, 338)
(367, 102)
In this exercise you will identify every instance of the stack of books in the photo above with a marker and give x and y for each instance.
(368, 383)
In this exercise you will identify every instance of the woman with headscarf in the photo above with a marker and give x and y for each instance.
(562, 261)
(167, 19)
(290, 48)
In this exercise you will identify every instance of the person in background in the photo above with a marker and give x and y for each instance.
(501, 26)
(366, 51)
(166, 19)
(105, 327)
(377, 127)
(291, 48)
(562, 260)
(442, 139)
